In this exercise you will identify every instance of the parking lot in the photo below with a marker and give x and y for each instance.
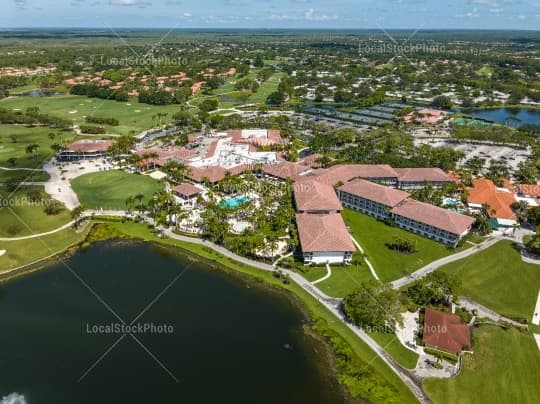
(487, 152)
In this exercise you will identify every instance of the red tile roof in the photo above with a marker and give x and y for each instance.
(285, 170)
(273, 137)
(484, 192)
(532, 190)
(187, 190)
(446, 332)
(434, 216)
(312, 196)
(323, 233)
(215, 173)
(90, 146)
(374, 192)
(422, 174)
(346, 173)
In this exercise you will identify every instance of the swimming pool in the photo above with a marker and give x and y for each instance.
(235, 202)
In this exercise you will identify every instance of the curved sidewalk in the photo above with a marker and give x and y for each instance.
(58, 229)
(422, 272)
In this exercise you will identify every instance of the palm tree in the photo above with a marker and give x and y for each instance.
(130, 201)
(32, 149)
(139, 198)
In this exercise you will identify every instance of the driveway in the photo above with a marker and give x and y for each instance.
(59, 185)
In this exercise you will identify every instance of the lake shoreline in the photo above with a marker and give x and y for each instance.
(316, 342)
(323, 325)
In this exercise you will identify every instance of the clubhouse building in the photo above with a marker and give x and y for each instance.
(84, 150)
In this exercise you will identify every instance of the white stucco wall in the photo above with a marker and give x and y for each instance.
(331, 257)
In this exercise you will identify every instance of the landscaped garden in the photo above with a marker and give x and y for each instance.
(109, 190)
(503, 369)
(499, 279)
(375, 237)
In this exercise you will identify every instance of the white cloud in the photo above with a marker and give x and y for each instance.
(311, 15)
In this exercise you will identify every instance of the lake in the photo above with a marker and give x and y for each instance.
(211, 337)
(508, 116)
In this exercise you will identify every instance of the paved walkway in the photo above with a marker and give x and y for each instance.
(59, 184)
(325, 277)
(536, 314)
(20, 169)
(332, 304)
(368, 263)
(483, 311)
(422, 272)
(65, 226)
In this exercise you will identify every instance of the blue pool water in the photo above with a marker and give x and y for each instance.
(235, 202)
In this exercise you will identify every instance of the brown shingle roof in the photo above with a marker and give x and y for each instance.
(315, 196)
(439, 218)
(374, 192)
(323, 233)
(446, 332)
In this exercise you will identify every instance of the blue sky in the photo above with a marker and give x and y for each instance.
(361, 14)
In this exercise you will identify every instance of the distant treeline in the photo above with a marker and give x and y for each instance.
(94, 130)
(93, 91)
(102, 121)
(32, 117)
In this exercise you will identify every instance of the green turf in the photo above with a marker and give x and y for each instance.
(25, 136)
(127, 115)
(390, 265)
(405, 357)
(505, 368)
(500, 280)
(21, 217)
(109, 190)
(343, 280)
(28, 251)
(24, 175)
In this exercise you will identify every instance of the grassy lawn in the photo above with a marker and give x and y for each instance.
(28, 251)
(505, 368)
(362, 351)
(109, 190)
(25, 136)
(132, 115)
(345, 279)
(34, 176)
(373, 236)
(500, 280)
(30, 213)
(397, 351)
(265, 89)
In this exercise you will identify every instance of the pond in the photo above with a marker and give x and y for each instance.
(209, 337)
(515, 117)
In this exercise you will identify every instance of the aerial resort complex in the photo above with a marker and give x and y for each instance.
(269, 202)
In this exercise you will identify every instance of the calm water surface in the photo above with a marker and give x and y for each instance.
(232, 342)
(509, 116)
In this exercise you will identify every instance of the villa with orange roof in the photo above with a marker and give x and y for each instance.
(496, 202)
